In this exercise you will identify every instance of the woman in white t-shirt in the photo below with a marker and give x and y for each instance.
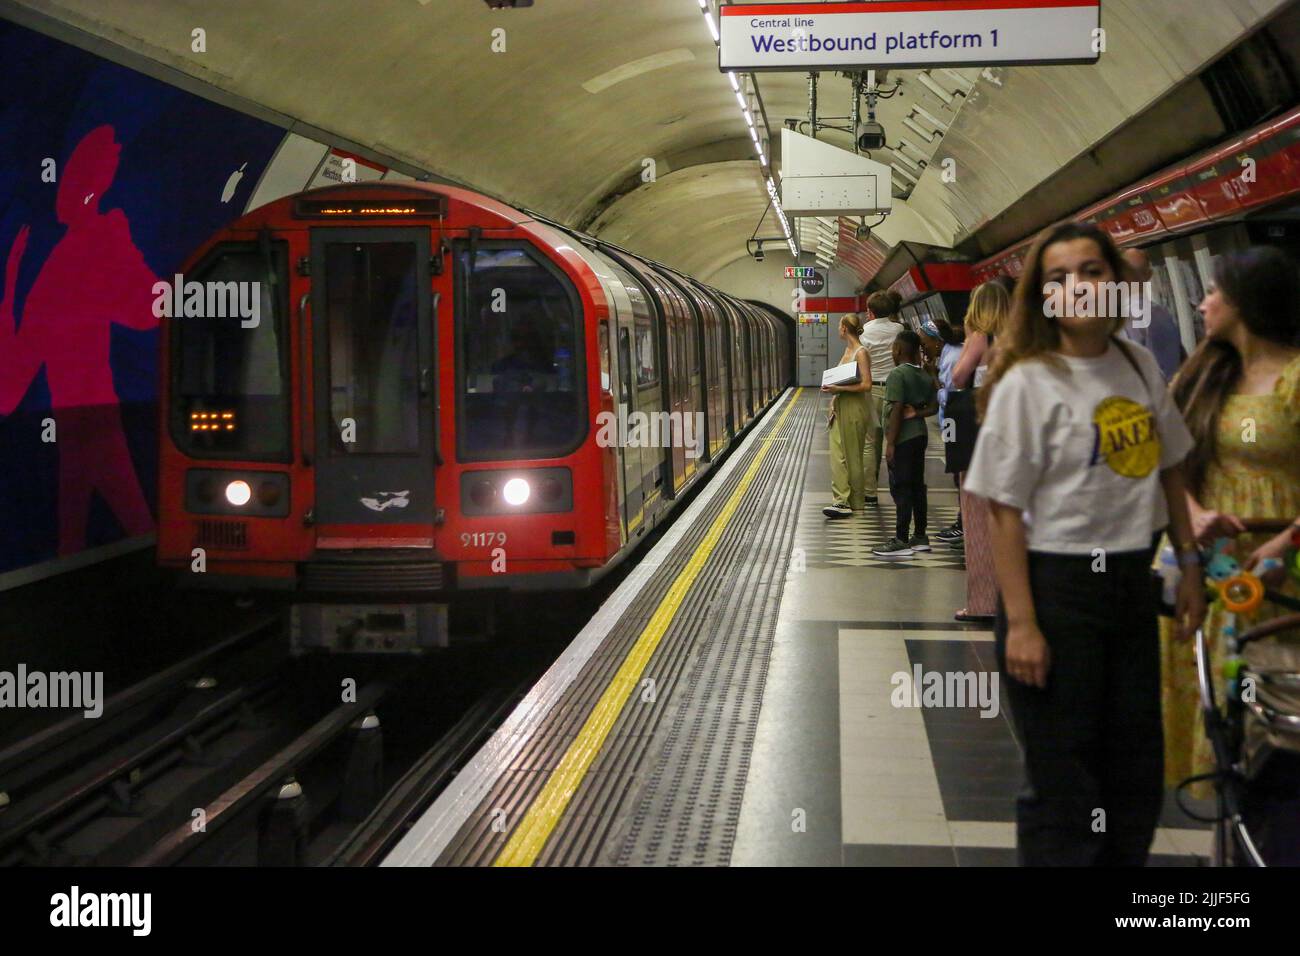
(1080, 453)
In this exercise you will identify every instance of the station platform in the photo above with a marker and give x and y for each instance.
(733, 701)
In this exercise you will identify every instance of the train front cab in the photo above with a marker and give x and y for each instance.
(383, 435)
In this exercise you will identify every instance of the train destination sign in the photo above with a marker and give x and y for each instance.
(907, 33)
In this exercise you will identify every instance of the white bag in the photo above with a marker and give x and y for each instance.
(846, 374)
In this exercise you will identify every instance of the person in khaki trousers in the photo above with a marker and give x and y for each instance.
(850, 415)
(878, 335)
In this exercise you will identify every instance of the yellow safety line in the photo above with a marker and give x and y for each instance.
(526, 843)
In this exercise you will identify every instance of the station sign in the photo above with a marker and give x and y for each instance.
(814, 284)
(888, 34)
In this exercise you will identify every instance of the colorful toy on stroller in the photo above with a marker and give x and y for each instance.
(1256, 733)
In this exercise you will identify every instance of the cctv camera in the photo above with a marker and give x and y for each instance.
(873, 136)
(759, 255)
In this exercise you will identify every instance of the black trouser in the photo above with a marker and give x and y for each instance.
(907, 484)
(1092, 739)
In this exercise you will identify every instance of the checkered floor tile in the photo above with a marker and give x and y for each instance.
(847, 542)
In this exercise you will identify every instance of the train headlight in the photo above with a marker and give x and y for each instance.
(516, 492)
(238, 493)
(250, 494)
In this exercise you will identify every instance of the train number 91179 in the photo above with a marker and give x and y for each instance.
(482, 539)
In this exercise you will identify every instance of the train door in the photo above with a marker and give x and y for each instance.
(679, 402)
(372, 358)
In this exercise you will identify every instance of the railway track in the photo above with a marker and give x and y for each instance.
(242, 755)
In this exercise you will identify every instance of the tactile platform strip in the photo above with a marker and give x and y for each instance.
(687, 810)
(594, 809)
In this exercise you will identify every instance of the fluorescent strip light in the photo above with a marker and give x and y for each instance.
(930, 118)
(741, 100)
(961, 81)
(748, 118)
(734, 84)
(904, 173)
(920, 153)
(713, 29)
(928, 82)
(903, 157)
(914, 127)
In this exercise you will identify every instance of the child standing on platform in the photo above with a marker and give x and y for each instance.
(906, 438)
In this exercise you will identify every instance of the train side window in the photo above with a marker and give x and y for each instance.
(647, 372)
(602, 341)
(624, 366)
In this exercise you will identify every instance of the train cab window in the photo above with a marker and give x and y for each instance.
(519, 356)
(230, 392)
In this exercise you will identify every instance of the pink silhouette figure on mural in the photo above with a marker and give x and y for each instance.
(94, 276)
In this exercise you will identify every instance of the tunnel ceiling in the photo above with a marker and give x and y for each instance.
(563, 119)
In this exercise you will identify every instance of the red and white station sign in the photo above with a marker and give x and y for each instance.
(907, 33)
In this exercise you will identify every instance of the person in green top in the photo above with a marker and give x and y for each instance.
(910, 397)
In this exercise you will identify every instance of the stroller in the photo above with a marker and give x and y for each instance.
(1256, 736)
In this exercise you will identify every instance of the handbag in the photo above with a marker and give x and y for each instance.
(960, 410)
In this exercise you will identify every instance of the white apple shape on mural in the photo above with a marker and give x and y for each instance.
(232, 183)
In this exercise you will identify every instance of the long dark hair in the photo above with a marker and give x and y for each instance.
(1030, 332)
(1263, 286)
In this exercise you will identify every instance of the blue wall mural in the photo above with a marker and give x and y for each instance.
(142, 173)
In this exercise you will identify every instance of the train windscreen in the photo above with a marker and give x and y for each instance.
(230, 394)
(519, 372)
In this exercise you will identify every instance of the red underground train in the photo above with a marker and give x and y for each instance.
(377, 398)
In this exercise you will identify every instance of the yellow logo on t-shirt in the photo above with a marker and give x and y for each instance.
(1124, 434)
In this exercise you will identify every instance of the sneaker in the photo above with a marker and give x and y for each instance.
(951, 533)
(919, 542)
(871, 500)
(838, 510)
(893, 548)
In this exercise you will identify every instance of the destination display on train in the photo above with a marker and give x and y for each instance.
(908, 33)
